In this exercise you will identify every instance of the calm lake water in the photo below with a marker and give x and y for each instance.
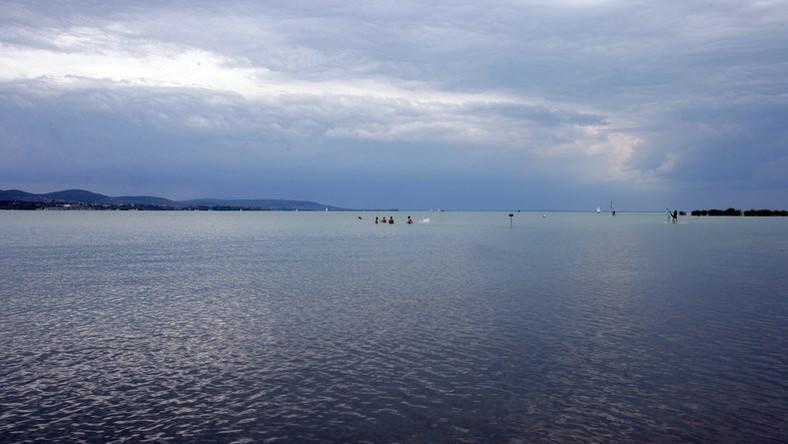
(319, 327)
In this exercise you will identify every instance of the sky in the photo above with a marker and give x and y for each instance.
(563, 104)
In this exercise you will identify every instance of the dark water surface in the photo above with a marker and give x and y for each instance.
(317, 327)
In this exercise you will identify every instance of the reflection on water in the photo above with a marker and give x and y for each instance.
(320, 327)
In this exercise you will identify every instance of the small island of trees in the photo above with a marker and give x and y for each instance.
(738, 212)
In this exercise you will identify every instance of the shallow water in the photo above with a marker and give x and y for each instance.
(265, 326)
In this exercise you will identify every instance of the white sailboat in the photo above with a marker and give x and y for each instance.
(598, 210)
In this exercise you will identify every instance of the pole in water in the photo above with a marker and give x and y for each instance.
(511, 217)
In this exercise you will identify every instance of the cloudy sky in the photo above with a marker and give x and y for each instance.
(561, 104)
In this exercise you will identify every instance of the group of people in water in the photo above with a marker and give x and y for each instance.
(390, 220)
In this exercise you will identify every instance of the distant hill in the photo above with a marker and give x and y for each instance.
(80, 196)
(20, 196)
(89, 198)
(145, 200)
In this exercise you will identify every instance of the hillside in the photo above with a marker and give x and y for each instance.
(83, 198)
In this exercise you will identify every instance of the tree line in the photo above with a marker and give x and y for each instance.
(738, 212)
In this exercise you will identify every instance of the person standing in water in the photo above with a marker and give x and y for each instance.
(391, 220)
(675, 216)
(376, 220)
(410, 221)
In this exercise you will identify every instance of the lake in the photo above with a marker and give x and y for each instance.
(320, 327)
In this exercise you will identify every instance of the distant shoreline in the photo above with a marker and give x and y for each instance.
(9, 205)
(88, 200)
(76, 206)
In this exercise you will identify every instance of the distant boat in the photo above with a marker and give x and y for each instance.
(612, 210)
(598, 210)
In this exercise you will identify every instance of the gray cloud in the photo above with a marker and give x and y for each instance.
(633, 99)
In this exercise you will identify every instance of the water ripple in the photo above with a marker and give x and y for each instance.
(263, 329)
